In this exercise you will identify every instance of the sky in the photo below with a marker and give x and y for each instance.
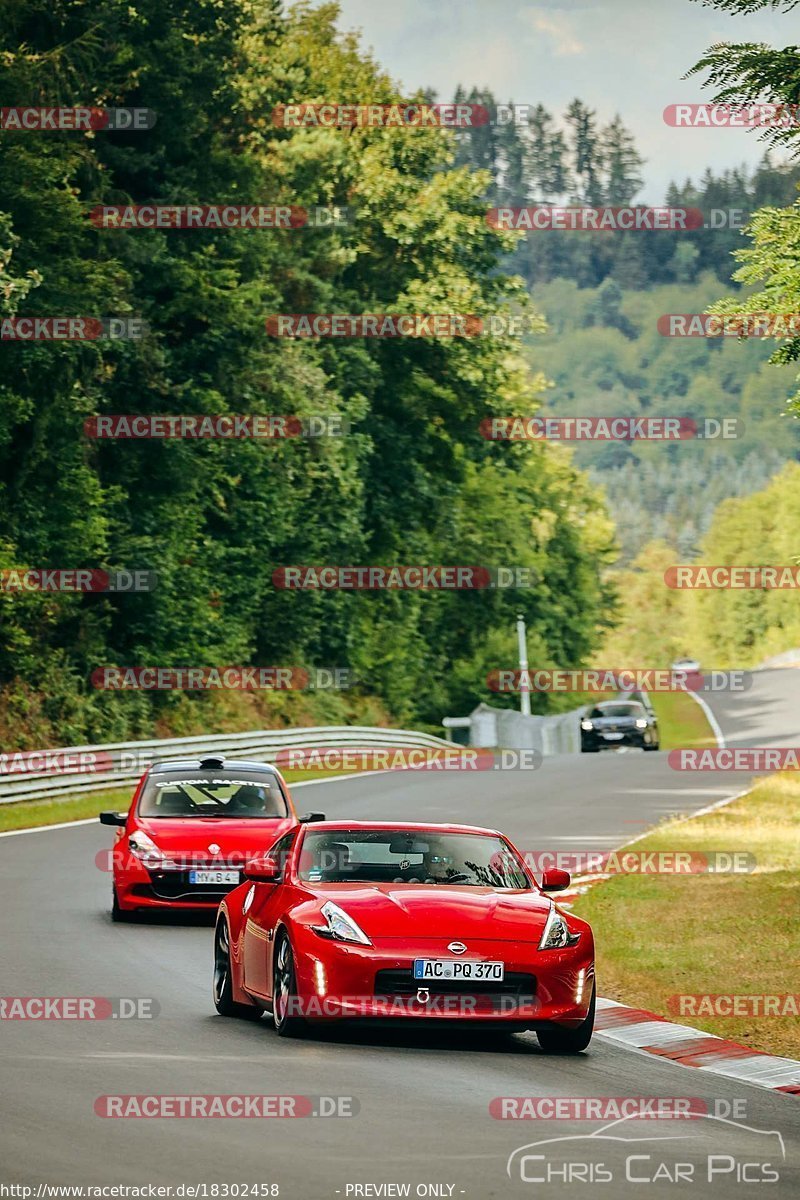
(619, 56)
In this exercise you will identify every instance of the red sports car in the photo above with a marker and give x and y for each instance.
(191, 828)
(379, 921)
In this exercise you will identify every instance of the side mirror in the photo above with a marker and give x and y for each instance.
(265, 869)
(307, 818)
(555, 880)
(113, 818)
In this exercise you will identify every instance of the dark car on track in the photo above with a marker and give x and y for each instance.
(619, 723)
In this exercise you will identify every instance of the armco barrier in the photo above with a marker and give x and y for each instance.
(122, 763)
(511, 730)
(562, 734)
(789, 658)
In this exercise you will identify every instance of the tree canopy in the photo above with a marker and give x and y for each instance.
(412, 482)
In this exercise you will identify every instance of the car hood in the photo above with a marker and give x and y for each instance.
(247, 836)
(440, 910)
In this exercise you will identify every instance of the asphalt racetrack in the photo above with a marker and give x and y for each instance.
(423, 1118)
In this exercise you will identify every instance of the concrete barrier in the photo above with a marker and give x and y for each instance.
(510, 730)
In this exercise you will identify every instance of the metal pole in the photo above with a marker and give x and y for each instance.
(524, 683)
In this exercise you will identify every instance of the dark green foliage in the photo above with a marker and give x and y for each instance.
(413, 483)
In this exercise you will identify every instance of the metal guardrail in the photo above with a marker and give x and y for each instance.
(71, 769)
(558, 733)
(789, 658)
(512, 730)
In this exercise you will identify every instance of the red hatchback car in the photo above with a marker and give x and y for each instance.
(191, 828)
(393, 921)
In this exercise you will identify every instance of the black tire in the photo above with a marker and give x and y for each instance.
(590, 749)
(653, 745)
(284, 990)
(222, 989)
(119, 915)
(556, 1040)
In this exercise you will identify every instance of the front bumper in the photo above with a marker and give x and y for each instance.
(137, 887)
(336, 981)
(596, 741)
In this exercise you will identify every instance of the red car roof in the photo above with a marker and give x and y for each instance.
(430, 827)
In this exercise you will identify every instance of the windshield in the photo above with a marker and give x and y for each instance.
(409, 856)
(243, 794)
(618, 710)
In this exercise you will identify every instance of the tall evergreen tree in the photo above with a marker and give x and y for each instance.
(586, 153)
(622, 163)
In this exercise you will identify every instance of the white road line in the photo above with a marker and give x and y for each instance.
(47, 828)
(587, 837)
(712, 720)
(723, 803)
(339, 778)
(672, 791)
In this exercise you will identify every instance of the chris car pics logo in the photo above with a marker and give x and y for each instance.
(710, 1150)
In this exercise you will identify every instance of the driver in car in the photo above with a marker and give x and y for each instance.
(248, 799)
(438, 867)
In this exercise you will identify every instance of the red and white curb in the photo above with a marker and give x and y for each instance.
(638, 1029)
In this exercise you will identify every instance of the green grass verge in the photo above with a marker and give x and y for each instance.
(661, 936)
(681, 721)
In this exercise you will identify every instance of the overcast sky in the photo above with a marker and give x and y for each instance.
(623, 56)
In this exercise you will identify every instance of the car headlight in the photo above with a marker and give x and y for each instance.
(641, 723)
(341, 926)
(148, 853)
(587, 725)
(556, 935)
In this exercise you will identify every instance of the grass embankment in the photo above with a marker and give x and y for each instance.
(665, 935)
(681, 721)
